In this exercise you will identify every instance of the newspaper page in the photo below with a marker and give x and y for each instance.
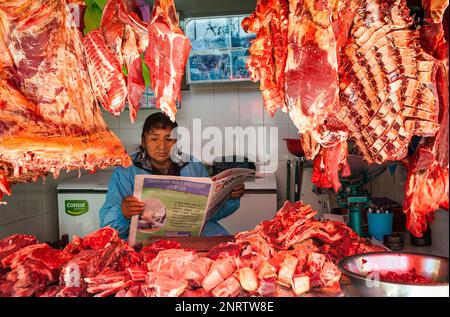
(173, 206)
(181, 206)
(223, 185)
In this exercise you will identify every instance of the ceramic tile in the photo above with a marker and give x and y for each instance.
(35, 227)
(35, 200)
(17, 227)
(51, 226)
(250, 107)
(3, 211)
(183, 116)
(226, 107)
(131, 138)
(16, 209)
(226, 86)
(202, 107)
(142, 114)
(111, 120)
(279, 118)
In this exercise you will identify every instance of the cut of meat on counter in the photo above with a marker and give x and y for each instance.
(288, 255)
(361, 71)
(49, 119)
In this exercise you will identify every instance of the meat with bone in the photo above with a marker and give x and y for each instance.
(311, 76)
(303, 256)
(327, 165)
(118, 44)
(15, 242)
(393, 82)
(386, 82)
(427, 184)
(294, 224)
(97, 251)
(435, 9)
(268, 53)
(166, 55)
(105, 72)
(46, 128)
(31, 268)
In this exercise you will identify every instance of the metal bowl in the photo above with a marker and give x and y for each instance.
(359, 268)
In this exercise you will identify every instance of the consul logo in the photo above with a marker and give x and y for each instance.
(76, 207)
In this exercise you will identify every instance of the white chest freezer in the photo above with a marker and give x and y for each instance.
(79, 202)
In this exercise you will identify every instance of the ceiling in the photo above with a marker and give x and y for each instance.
(193, 8)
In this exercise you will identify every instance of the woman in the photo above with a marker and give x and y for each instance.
(153, 157)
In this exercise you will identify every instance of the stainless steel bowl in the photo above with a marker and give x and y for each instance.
(359, 268)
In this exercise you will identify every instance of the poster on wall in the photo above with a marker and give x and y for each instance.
(219, 49)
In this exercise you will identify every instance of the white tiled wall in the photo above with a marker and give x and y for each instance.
(33, 207)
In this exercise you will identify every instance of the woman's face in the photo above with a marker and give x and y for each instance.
(158, 144)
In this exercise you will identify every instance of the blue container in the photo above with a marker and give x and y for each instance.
(380, 224)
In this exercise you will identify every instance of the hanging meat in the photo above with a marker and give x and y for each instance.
(386, 80)
(166, 55)
(361, 71)
(427, 183)
(112, 49)
(49, 119)
(268, 54)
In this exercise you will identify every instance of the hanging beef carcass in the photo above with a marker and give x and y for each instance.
(49, 119)
(387, 93)
(117, 46)
(311, 85)
(386, 81)
(389, 89)
(268, 54)
(166, 55)
(427, 183)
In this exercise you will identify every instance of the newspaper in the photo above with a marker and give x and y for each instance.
(181, 206)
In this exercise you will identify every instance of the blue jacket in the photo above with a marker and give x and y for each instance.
(122, 185)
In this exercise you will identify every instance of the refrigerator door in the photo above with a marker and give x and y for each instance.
(78, 213)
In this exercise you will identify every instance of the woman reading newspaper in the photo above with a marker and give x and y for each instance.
(154, 157)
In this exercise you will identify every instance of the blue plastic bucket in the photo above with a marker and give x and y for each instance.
(380, 224)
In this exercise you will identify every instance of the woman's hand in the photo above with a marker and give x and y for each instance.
(131, 206)
(238, 191)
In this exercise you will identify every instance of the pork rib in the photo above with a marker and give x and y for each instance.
(105, 73)
(57, 125)
(127, 37)
(387, 93)
(166, 55)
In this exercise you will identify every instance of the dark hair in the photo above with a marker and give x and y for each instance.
(157, 120)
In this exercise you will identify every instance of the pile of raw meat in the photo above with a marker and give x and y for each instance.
(52, 79)
(286, 256)
(361, 71)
